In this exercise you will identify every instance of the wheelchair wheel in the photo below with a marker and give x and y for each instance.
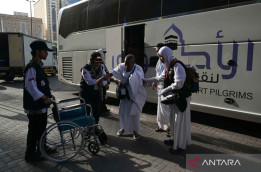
(93, 147)
(61, 141)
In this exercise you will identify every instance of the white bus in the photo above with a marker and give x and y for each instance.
(221, 39)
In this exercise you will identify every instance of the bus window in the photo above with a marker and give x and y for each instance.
(171, 7)
(134, 10)
(238, 1)
(102, 13)
(204, 4)
(73, 19)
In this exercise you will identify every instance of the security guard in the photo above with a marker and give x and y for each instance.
(37, 98)
(90, 92)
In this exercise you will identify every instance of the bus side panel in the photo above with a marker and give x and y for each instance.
(65, 69)
(236, 23)
(16, 57)
(91, 40)
(151, 59)
(113, 55)
(80, 58)
(222, 83)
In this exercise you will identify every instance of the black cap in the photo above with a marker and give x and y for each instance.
(39, 45)
(95, 56)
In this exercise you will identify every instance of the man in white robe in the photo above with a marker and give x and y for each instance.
(131, 107)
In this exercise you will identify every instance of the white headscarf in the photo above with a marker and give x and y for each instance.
(159, 67)
(166, 53)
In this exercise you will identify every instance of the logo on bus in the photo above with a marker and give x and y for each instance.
(172, 40)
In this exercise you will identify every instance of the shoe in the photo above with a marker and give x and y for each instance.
(33, 157)
(136, 137)
(169, 142)
(172, 151)
(120, 132)
(159, 130)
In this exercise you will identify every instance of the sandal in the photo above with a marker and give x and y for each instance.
(159, 130)
(120, 132)
(136, 137)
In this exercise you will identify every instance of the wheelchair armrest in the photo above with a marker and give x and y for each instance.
(68, 100)
(73, 106)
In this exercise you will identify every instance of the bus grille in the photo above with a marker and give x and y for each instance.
(67, 68)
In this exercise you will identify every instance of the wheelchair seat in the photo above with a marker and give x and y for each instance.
(77, 116)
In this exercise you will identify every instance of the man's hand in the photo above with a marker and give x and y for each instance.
(99, 81)
(154, 85)
(166, 90)
(117, 81)
(47, 100)
(107, 87)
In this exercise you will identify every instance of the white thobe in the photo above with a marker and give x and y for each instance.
(163, 111)
(180, 121)
(180, 126)
(130, 109)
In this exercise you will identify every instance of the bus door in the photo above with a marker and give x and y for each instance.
(134, 43)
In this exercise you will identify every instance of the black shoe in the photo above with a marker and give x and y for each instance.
(172, 151)
(169, 142)
(33, 157)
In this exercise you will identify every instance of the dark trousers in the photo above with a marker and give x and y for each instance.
(92, 97)
(37, 125)
(103, 103)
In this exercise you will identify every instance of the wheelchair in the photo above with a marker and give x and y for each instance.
(72, 131)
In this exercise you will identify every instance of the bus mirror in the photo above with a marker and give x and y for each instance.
(231, 63)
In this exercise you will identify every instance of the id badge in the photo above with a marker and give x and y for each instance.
(42, 83)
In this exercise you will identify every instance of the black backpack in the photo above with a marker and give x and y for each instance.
(192, 77)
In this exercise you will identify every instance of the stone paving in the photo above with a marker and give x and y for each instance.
(121, 153)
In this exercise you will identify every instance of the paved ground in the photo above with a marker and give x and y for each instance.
(210, 135)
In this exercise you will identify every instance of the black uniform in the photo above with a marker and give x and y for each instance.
(89, 93)
(37, 119)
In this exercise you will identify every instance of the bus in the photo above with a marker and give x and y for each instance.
(219, 38)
